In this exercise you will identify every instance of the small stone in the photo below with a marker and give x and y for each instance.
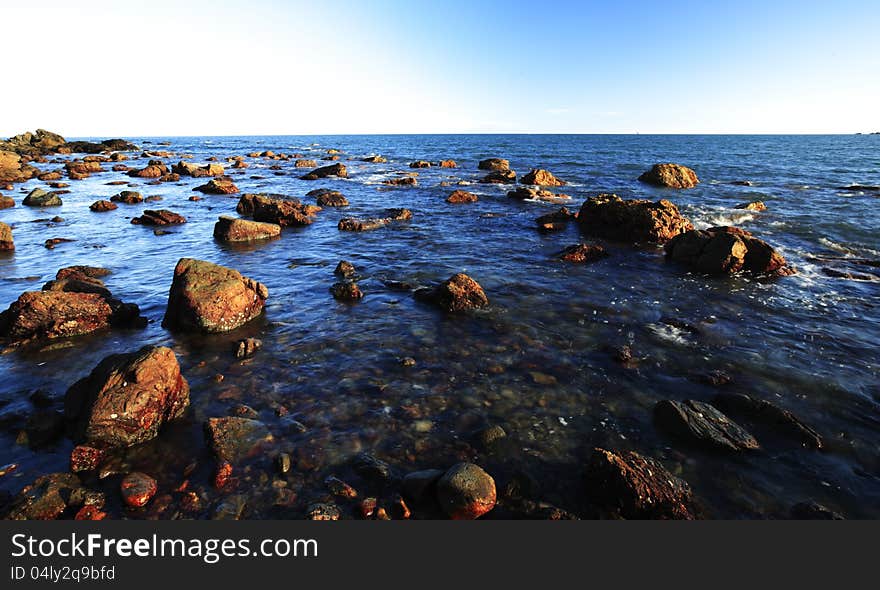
(466, 492)
(247, 347)
(137, 489)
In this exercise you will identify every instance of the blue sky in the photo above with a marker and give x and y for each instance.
(355, 67)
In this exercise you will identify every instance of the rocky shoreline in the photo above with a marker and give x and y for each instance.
(130, 397)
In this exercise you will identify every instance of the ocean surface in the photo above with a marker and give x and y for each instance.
(538, 362)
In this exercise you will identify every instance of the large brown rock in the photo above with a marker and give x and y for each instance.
(40, 198)
(6, 202)
(637, 487)
(231, 229)
(328, 198)
(47, 315)
(12, 169)
(127, 398)
(461, 196)
(670, 176)
(459, 293)
(189, 169)
(103, 206)
(541, 177)
(6, 241)
(725, 250)
(499, 177)
(338, 170)
(283, 212)
(466, 492)
(634, 220)
(494, 164)
(207, 297)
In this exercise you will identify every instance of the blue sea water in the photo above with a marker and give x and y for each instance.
(537, 362)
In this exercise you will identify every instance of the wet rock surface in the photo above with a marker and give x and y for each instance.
(726, 250)
(207, 297)
(635, 220)
(703, 425)
(234, 439)
(466, 492)
(670, 176)
(159, 217)
(459, 293)
(231, 229)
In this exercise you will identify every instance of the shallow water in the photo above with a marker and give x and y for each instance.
(536, 362)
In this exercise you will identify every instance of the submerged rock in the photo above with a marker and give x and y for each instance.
(6, 202)
(461, 196)
(231, 229)
(207, 297)
(127, 398)
(811, 510)
(583, 253)
(247, 347)
(375, 160)
(466, 492)
(337, 170)
(764, 412)
(556, 221)
(634, 220)
(357, 225)
(541, 177)
(670, 176)
(459, 293)
(499, 177)
(346, 291)
(752, 206)
(420, 164)
(160, 217)
(47, 498)
(345, 269)
(234, 439)
(637, 487)
(725, 250)
(702, 424)
(402, 181)
(524, 193)
(40, 198)
(447, 164)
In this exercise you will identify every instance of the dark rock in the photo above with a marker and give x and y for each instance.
(611, 217)
(345, 269)
(346, 291)
(811, 510)
(752, 206)
(45, 499)
(337, 170)
(218, 186)
(7, 244)
(372, 469)
(499, 177)
(558, 220)
(127, 398)
(40, 198)
(234, 439)
(466, 492)
(420, 164)
(283, 212)
(402, 181)
(137, 489)
(726, 250)
(637, 487)
(102, 206)
(323, 511)
(160, 217)
(247, 347)
(420, 486)
(765, 412)
(701, 424)
(128, 197)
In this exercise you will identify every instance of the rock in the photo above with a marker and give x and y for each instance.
(637, 487)
(323, 511)
(7, 244)
(346, 291)
(82, 168)
(725, 250)
(40, 198)
(282, 212)
(420, 164)
(43, 427)
(45, 499)
(524, 193)
(556, 221)
(752, 206)
(218, 186)
(372, 468)
(305, 164)
(356, 225)
(459, 293)
(34, 144)
(337, 170)
(189, 169)
(247, 347)
(87, 457)
(231, 229)
(670, 176)
(328, 198)
(208, 298)
(447, 164)
(374, 160)
(583, 253)
(102, 206)
(47, 315)
(402, 181)
(767, 413)
(811, 510)
(160, 217)
(420, 486)
(234, 439)
(47, 176)
(151, 171)
(127, 398)
(12, 169)
(466, 492)
(499, 177)
(6, 202)
(494, 164)
(137, 489)
(128, 197)
(703, 425)
(740, 183)
(340, 488)
(488, 437)
(461, 196)
(345, 269)
(541, 177)
(634, 221)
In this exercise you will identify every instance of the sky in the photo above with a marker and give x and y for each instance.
(290, 67)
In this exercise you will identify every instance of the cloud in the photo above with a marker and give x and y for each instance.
(558, 111)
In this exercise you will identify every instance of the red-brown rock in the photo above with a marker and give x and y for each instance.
(634, 220)
(670, 176)
(459, 293)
